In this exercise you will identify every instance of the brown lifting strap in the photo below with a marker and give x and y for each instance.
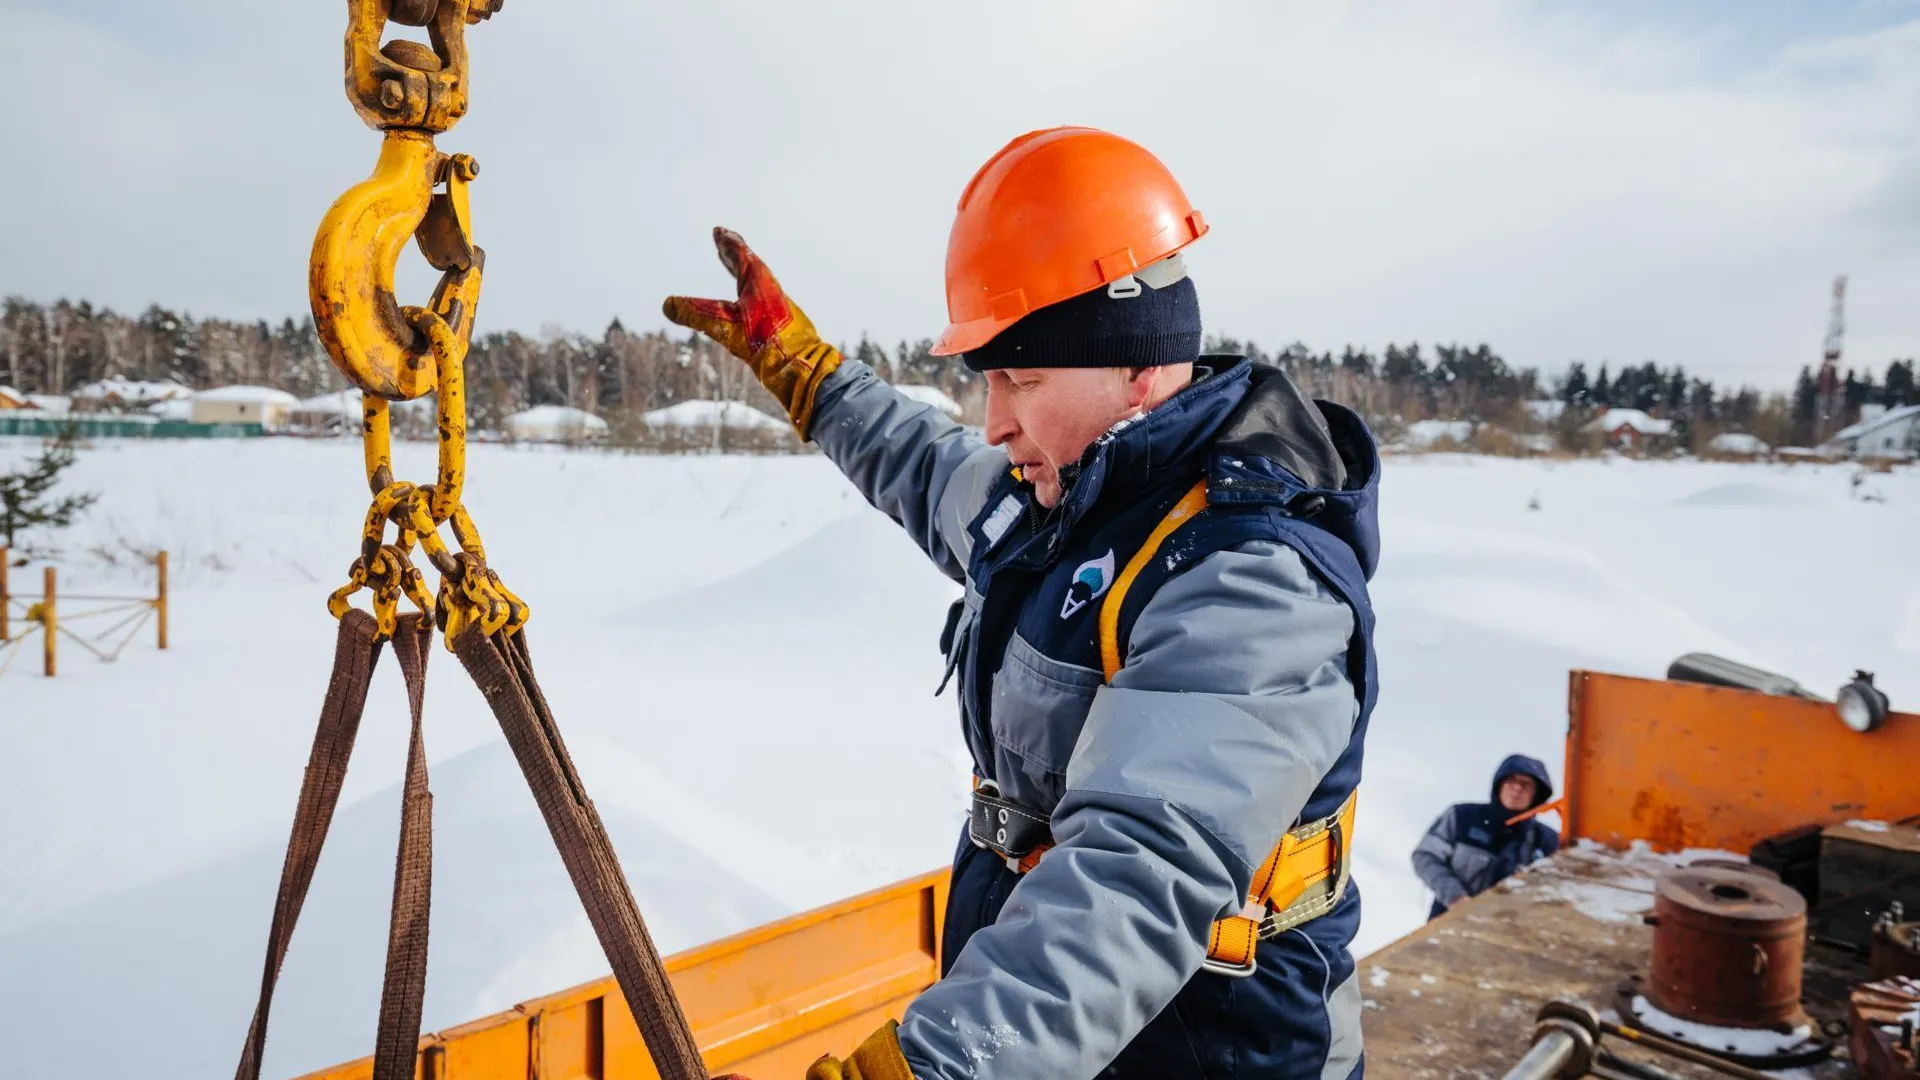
(356, 652)
(504, 673)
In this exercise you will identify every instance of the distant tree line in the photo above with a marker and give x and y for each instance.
(1459, 382)
(54, 348)
(57, 348)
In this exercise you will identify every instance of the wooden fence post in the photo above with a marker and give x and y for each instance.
(49, 621)
(160, 601)
(4, 637)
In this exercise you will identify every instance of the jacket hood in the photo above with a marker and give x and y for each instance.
(1259, 441)
(1522, 765)
(1314, 459)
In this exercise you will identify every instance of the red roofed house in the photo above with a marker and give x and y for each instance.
(1630, 429)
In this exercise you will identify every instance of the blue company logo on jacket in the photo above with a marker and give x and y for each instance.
(1279, 470)
(1090, 582)
(1470, 848)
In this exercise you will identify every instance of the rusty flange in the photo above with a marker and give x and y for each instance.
(1885, 1045)
(1727, 949)
(1796, 1048)
(1895, 947)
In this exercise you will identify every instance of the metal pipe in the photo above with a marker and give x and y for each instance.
(1564, 1038)
(1719, 671)
(1547, 1058)
(1684, 1052)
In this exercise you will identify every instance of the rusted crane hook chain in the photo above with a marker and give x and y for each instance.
(392, 352)
(411, 92)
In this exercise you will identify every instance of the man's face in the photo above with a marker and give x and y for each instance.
(1516, 793)
(1047, 417)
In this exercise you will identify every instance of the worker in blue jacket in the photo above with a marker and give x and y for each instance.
(1474, 846)
(1163, 651)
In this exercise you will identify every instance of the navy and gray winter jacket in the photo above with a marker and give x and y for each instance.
(1471, 848)
(1240, 711)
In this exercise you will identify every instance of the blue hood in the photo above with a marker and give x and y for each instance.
(1316, 460)
(1522, 765)
(1259, 442)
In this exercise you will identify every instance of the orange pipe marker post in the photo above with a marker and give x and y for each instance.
(160, 599)
(4, 636)
(49, 621)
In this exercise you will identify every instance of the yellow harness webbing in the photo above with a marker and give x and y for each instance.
(1306, 873)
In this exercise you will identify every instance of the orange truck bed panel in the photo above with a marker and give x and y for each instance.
(1681, 765)
(766, 1002)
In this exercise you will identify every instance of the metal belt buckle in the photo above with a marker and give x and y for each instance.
(991, 790)
(1257, 913)
(1231, 971)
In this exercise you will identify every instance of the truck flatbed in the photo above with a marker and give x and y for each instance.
(1457, 998)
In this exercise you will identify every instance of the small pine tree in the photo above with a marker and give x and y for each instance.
(25, 502)
(1576, 390)
(1899, 388)
(1806, 406)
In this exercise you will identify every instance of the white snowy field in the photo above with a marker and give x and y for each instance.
(742, 655)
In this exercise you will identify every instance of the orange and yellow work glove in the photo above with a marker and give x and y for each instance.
(878, 1058)
(764, 328)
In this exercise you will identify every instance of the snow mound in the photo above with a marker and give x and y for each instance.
(339, 403)
(703, 413)
(1743, 494)
(247, 395)
(858, 563)
(1534, 592)
(554, 422)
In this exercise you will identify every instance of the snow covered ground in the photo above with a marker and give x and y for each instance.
(742, 655)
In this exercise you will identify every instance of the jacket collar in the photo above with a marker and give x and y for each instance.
(1171, 437)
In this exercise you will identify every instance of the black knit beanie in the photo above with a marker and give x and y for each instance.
(1102, 328)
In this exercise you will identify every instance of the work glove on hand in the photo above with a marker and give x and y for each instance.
(876, 1059)
(764, 328)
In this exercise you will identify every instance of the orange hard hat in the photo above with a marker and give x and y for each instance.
(1056, 213)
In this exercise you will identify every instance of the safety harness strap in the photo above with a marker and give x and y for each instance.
(1305, 875)
(1004, 827)
(1190, 504)
(1301, 880)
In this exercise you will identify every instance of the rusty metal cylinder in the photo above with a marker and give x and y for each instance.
(1727, 948)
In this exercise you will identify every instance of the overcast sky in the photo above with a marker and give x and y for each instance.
(1619, 181)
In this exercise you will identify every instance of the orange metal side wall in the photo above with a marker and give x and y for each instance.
(765, 1003)
(1681, 765)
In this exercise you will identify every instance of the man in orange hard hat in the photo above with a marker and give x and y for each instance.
(1164, 648)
